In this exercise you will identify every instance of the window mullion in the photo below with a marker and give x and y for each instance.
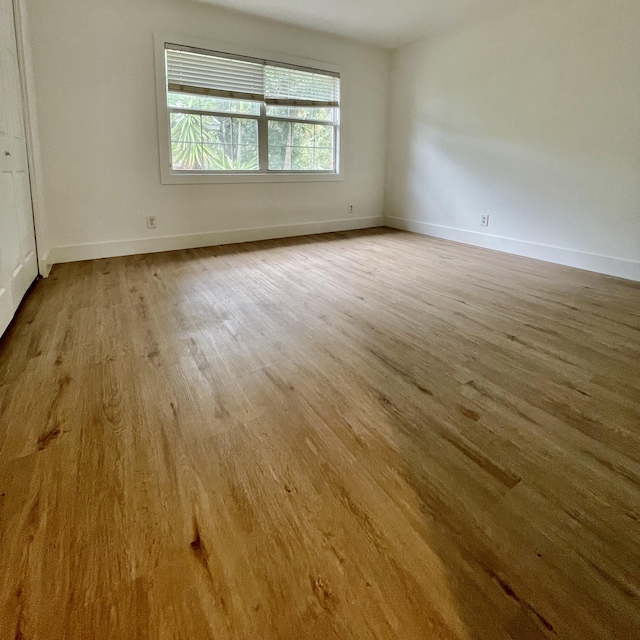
(263, 139)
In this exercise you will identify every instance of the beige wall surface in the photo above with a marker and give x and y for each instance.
(96, 104)
(531, 117)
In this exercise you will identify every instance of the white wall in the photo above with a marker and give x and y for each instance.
(532, 117)
(96, 104)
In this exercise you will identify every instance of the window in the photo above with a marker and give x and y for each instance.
(246, 117)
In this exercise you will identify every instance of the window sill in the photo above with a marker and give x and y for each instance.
(235, 178)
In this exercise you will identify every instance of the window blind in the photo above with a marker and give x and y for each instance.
(198, 71)
(214, 74)
(300, 87)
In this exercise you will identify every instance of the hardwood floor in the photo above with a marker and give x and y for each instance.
(356, 435)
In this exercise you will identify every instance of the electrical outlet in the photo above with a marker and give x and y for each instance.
(350, 208)
(484, 221)
(151, 222)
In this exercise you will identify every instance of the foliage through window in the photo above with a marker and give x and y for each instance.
(245, 115)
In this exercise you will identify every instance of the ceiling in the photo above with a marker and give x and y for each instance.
(387, 23)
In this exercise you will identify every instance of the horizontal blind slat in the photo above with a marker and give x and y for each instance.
(219, 82)
(292, 102)
(216, 93)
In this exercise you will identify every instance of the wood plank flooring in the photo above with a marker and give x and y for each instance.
(348, 436)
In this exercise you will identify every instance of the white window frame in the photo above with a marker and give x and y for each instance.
(169, 176)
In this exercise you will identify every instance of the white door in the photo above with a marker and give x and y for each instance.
(18, 260)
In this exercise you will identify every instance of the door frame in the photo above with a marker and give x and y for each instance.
(29, 114)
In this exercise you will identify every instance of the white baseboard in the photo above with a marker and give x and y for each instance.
(44, 265)
(94, 250)
(568, 257)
